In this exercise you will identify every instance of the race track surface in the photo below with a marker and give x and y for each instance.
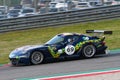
(60, 67)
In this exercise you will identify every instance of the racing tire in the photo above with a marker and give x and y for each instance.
(88, 51)
(13, 64)
(37, 57)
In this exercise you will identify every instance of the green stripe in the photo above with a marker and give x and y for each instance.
(115, 51)
(51, 50)
(1, 64)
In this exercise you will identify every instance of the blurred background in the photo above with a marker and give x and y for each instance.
(21, 8)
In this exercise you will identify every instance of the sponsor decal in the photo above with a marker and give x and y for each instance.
(70, 49)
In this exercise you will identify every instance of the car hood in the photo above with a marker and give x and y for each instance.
(23, 50)
(28, 47)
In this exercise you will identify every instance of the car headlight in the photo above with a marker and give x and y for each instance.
(11, 55)
(23, 56)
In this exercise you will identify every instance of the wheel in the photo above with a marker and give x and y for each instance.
(37, 57)
(89, 51)
(14, 62)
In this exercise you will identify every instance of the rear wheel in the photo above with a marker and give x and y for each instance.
(37, 57)
(89, 51)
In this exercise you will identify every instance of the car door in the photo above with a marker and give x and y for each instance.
(71, 42)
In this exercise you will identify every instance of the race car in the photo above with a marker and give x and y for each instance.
(61, 46)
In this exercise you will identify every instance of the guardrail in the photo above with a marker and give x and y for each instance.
(60, 18)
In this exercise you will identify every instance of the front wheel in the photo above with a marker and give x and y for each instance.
(89, 51)
(37, 57)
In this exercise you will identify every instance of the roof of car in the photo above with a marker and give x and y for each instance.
(66, 34)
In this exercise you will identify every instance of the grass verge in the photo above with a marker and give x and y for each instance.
(11, 40)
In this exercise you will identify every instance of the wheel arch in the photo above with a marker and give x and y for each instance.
(35, 51)
(89, 43)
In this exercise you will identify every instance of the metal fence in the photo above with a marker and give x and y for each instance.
(52, 19)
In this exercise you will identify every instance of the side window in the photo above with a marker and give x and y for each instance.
(75, 38)
(69, 39)
(72, 39)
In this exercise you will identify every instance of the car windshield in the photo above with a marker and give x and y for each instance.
(14, 11)
(53, 4)
(2, 7)
(55, 40)
(27, 11)
(83, 4)
(53, 10)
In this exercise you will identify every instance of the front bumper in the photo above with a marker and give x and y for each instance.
(19, 61)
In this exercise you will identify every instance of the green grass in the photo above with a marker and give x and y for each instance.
(11, 40)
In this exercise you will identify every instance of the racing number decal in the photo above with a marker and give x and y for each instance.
(69, 49)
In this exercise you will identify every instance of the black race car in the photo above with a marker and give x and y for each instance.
(61, 46)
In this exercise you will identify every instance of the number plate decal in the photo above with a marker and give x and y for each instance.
(69, 49)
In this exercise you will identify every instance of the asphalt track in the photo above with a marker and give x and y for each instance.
(61, 67)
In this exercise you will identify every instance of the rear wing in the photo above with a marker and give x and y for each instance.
(99, 32)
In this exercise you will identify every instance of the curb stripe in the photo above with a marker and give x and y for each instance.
(4, 65)
(80, 75)
(115, 70)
